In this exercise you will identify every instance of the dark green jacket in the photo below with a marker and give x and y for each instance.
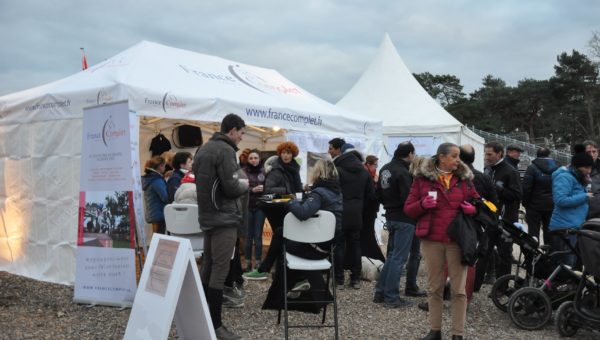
(220, 192)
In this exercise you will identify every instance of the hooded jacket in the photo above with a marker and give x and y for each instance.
(325, 195)
(570, 200)
(155, 196)
(280, 180)
(537, 184)
(432, 224)
(357, 186)
(219, 189)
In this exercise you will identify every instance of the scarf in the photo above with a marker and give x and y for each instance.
(292, 170)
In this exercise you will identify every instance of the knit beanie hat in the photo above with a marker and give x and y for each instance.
(581, 158)
(347, 147)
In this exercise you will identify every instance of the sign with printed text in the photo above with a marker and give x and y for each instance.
(170, 289)
(105, 270)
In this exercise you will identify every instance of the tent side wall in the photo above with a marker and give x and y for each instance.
(40, 162)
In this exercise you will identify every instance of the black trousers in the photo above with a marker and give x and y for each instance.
(347, 250)
(235, 268)
(537, 220)
(503, 262)
(274, 251)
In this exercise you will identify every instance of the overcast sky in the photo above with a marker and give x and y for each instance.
(323, 46)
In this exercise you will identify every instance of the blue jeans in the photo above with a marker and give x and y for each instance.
(388, 285)
(412, 266)
(256, 220)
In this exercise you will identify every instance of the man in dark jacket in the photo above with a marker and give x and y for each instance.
(513, 155)
(485, 187)
(508, 187)
(357, 185)
(537, 193)
(220, 209)
(393, 187)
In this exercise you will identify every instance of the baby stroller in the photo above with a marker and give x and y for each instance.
(534, 260)
(530, 307)
(584, 310)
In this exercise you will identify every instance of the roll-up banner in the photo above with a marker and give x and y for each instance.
(105, 272)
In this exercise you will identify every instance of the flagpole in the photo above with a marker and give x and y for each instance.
(84, 64)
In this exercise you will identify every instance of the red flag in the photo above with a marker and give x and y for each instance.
(84, 65)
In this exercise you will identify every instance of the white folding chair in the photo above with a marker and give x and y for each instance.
(319, 228)
(182, 221)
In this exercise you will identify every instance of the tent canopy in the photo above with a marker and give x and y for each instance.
(167, 82)
(41, 136)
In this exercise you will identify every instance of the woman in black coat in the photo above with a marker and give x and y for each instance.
(325, 195)
(282, 177)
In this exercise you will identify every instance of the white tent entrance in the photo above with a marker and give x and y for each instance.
(387, 90)
(40, 135)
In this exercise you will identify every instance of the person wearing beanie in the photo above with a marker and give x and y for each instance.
(571, 199)
(537, 193)
(357, 188)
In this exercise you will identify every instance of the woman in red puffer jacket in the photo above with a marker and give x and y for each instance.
(441, 188)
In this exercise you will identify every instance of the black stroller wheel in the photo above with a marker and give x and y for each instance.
(529, 308)
(503, 288)
(563, 322)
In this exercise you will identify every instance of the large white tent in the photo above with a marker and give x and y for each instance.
(41, 136)
(387, 90)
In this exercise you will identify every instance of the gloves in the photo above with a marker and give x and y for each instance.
(428, 202)
(468, 208)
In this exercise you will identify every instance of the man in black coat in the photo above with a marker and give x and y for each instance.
(356, 184)
(537, 193)
(508, 187)
(393, 187)
(485, 187)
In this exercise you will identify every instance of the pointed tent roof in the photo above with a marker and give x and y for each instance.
(387, 90)
(168, 82)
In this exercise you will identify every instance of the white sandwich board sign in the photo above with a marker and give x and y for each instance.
(170, 287)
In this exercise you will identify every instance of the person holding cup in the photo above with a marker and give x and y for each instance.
(441, 189)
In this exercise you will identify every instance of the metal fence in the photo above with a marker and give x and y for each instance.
(530, 150)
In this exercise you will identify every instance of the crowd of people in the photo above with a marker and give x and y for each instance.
(421, 197)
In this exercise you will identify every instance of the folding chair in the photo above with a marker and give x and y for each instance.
(319, 228)
(182, 221)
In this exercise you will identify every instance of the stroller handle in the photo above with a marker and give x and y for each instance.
(594, 235)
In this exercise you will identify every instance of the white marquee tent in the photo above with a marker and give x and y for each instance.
(387, 90)
(40, 133)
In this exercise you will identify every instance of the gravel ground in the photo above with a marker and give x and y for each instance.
(31, 309)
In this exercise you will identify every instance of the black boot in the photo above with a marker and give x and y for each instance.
(457, 337)
(214, 297)
(433, 335)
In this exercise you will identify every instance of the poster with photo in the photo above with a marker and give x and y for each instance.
(106, 219)
(105, 269)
